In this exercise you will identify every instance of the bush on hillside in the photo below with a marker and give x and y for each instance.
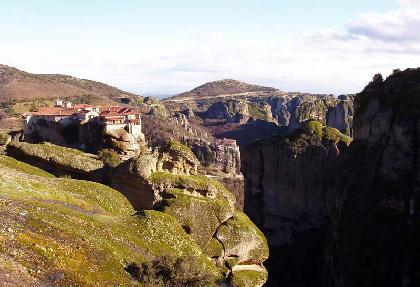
(171, 271)
(109, 157)
(3, 138)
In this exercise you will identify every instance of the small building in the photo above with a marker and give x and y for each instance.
(116, 117)
(86, 115)
(113, 117)
(58, 103)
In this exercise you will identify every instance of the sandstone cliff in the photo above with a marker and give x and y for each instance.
(374, 233)
(89, 136)
(287, 181)
(167, 183)
(286, 110)
(203, 207)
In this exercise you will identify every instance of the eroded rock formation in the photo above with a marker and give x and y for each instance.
(203, 207)
(374, 212)
(351, 219)
(287, 181)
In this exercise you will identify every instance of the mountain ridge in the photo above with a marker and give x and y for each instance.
(16, 84)
(221, 87)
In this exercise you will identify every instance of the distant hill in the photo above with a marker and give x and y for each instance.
(222, 87)
(20, 85)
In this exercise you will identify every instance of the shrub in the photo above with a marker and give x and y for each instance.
(315, 127)
(171, 271)
(3, 138)
(109, 157)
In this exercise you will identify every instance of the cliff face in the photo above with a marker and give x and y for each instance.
(286, 110)
(198, 207)
(287, 181)
(375, 213)
(351, 219)
(90, 136)
(341, 115)
(203, 206)
(227, 156)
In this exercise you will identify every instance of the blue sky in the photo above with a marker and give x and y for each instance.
(166, 47)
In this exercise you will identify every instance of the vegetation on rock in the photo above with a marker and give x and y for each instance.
(4, 138)
(57, 154)
(79, 233)
(176, 146)
(245, 278)
(109, 157)
(172, 271)
(330, 134)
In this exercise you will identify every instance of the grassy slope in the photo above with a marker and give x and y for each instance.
(20, 85)
(76, 232)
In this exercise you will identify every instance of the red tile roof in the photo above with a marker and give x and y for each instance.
(84, 106)
(54, 111)
(106, 111)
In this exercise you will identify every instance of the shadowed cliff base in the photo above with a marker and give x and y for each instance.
(349, 219)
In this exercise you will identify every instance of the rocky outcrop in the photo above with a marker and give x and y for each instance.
(341, 116)
(5, 139)
(227, 156)
(123, 142)
(232, 111)
(286, 110)
(374, 212)
(58, 160)
(89, 137)
(65, 232)
(287, 182)
(203, 207)
(177, 158)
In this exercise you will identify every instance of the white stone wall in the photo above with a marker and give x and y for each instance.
(135, 130)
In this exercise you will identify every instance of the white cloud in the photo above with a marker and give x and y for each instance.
(398, 26)
(409, 3)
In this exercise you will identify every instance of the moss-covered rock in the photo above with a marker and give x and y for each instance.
(322, 132)
(178, 158)
(246, 278)
(199, 215)
(241, 239)
(202, 206)
(76, 233)
(57, 159)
